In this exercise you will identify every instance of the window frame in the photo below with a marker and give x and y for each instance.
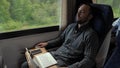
(94, 1)
(19, 33)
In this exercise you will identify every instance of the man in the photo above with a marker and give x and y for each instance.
(79, 42)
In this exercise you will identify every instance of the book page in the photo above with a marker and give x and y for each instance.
(44, 60)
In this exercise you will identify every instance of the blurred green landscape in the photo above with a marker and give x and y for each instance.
(115, 4)
(28, 14)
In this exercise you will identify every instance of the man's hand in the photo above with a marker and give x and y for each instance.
(42, 44)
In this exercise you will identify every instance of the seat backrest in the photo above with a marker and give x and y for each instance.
(102, 24)
(103, 19)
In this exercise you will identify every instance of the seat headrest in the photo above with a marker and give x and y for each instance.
(102, 19)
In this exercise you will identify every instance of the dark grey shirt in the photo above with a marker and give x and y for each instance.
(78, 47)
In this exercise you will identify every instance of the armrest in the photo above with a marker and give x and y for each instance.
(1, 62)
(2, 65)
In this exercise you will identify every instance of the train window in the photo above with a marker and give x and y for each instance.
(28, 14)
(115, 5)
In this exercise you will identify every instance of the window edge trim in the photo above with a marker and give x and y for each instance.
(19, 33)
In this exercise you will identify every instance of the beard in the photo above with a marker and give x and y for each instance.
(81, 22)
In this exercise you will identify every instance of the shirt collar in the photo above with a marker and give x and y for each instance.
(84, 27)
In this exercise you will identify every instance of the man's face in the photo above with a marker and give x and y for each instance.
(83, 14)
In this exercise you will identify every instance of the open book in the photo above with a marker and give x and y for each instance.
(44, 60)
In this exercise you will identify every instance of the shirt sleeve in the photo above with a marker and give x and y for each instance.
(91, 49)
(59, 40)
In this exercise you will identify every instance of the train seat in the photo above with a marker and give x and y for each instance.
(102, 24)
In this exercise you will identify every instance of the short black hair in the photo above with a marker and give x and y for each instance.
(88, 4)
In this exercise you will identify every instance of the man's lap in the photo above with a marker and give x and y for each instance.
(60, 63)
